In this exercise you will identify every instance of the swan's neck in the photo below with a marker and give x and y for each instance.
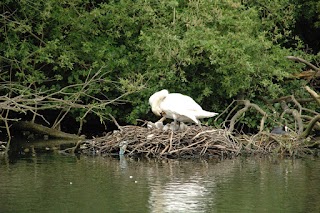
(156, 106)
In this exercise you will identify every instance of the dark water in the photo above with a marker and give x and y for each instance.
(58, 183)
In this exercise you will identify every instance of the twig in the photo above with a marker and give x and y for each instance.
(116, 123)
(293, 58)
(314, 95)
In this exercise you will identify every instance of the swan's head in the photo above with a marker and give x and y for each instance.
(156, 99)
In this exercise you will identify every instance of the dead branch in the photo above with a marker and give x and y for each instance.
(310, 126)
(309, 119)
(297, 117)
(314, 95)
(27, 99)
(37, 128)
(247, 106)
(115, 122)
(293, 58)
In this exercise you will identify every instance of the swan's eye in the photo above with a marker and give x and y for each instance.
(162, 113)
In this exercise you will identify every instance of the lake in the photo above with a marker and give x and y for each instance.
(52, 182)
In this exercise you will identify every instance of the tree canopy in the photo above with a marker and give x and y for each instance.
(122, 50)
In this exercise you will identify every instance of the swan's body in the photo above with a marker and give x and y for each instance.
(177, 107)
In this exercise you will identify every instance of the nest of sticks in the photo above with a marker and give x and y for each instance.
(140, 141)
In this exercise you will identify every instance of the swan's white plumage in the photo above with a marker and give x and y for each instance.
(177, 107)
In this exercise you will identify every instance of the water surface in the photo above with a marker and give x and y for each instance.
(59, 183)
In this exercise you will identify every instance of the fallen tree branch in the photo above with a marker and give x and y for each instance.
(37, 128)
(314, 95)
(310, 126)
(115, 122)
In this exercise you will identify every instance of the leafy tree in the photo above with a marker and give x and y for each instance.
(214, 51)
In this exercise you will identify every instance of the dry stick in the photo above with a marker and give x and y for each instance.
(170, 147)
(116, 123)
(8, 102)
(203, 132)
(156, 148)
(28, 103)
(314, 95)
(247, 105)
(296, 116)
(224, 111)
(187, 147)
(73, 149)
(317, 70)
(309, 128)
(230, 113)
(82, 118)
(78, 94)
(8, 131)
(296, 103)
(26, 125)
(293, 58)
(238, 114)
(313, 122)
(310, 111)
(309, 118)
(138, 146)
(164, 150)
(204, 149)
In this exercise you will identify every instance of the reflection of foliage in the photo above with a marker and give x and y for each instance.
(214, 52)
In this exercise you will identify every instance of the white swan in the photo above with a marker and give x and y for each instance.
(177, 107)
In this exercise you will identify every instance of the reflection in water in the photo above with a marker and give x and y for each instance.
(185, 186)
(56, 183)
(178, 197)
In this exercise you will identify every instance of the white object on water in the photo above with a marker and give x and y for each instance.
(178, 107)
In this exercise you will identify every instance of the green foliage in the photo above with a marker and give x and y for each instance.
(54, 44)
(214, 51)
(219, 49)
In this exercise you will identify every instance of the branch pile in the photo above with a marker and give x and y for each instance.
(139, 141)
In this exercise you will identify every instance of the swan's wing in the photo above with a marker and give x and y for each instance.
(177, 102)
(189, 115)
(178, 105)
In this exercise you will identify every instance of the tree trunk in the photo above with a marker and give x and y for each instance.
(37, 128)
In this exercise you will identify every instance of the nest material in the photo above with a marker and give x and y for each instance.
(139, 141)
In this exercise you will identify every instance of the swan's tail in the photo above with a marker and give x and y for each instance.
(206, 114)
